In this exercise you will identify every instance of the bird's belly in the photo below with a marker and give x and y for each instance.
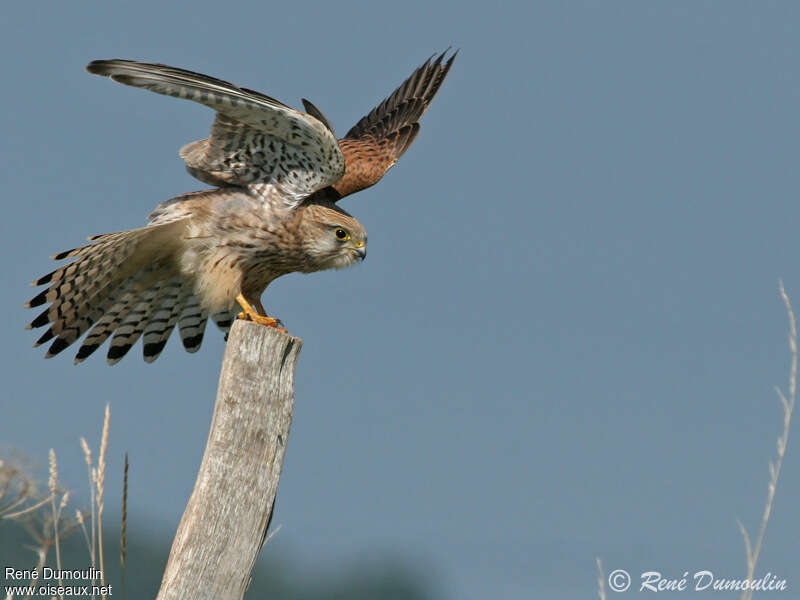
(223, 272)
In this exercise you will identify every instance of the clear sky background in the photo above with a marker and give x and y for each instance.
(564, 341)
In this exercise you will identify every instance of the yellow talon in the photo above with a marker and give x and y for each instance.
(251, 314)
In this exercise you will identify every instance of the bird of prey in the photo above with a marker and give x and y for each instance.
(277, 174)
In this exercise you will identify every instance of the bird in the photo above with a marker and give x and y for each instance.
(277, 174)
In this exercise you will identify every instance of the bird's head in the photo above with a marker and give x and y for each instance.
(332, 238)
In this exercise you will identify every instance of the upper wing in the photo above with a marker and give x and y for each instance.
(254, 138)
(379, 139)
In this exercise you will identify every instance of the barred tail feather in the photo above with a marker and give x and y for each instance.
(162, 323)
(123, 285)
(224, 320)
(106, 325)
(192, 324)
(132, 327)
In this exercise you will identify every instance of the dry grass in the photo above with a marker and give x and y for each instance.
(42, 514)
(753, 551)
(17, 489)
(787, 400)
(123, 538)
(601, 579)
(101, 479)
(38, 512)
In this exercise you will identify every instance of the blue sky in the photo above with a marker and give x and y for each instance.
(565, 339)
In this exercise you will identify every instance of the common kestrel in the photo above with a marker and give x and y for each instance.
(277, 172)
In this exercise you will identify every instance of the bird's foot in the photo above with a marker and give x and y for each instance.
(251, 314)
(262, 320)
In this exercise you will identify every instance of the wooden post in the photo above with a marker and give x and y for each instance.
(226, 519)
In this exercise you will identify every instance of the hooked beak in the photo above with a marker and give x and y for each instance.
(360, 249)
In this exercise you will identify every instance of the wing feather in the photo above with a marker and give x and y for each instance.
(255, 139)
(379, 139)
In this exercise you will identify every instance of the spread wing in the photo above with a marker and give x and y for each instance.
(378, 140)
(255, 139)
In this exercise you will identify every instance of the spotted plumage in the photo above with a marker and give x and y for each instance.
(278, 173)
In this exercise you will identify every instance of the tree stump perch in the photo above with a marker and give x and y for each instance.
(226, 519)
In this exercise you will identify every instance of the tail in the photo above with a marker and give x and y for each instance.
(123, 285)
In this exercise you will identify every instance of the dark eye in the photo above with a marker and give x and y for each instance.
(341, 234)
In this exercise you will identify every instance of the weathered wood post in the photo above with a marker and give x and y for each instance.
(223, 527)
